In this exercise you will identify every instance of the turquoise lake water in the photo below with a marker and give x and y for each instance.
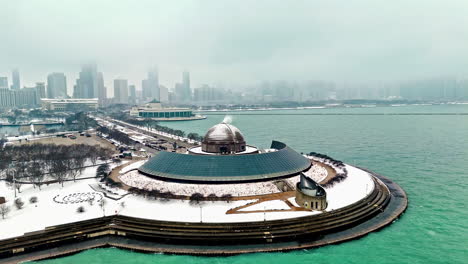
(426, 154)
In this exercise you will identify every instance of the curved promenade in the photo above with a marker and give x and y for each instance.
(380, 208)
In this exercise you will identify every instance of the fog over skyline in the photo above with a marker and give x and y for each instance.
(235, 42)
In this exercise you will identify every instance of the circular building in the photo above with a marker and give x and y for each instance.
(225, 157)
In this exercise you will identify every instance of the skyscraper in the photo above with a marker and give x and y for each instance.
(132, 96)
(179, 92)
(87, 84)
(150, 86)
(3, 82)
(187, 92)
(163, 94)
(16, 80)
(102, 90)
(41, 89)
(121, 91)
(56, 85)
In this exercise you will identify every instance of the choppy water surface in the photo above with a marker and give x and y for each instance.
(426, 154)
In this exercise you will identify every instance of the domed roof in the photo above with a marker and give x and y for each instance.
(225, 133)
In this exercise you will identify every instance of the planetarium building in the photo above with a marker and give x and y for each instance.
(225, 157)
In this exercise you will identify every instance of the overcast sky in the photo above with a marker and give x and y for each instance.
(235, 42)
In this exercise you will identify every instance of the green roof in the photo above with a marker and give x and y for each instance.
(226, 168)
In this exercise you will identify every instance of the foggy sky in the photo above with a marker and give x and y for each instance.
(235, 42)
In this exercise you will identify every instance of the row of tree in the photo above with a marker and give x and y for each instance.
(116, 135)
(32, 163)
(153, 124)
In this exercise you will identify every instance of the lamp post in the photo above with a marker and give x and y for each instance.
(201, 214)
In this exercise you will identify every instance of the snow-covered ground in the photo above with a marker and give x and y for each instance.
(338, 169)
(47, 212)
(134, 165)
(353, 188)
(138, 180)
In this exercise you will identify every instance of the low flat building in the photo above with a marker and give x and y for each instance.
(69, 104)
(22, 98)
(155, 110)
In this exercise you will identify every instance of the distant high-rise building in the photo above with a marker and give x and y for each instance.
(163, 94)
(187, 92)
(88, 84)
(132, 94)
(121, 91)
(3, 82)
(41, 89)
(26, 97)
(56, 85)
(102, 90)
(150, 86)
(16, 80)
(179, 92)
(7, 98)
(207, 94)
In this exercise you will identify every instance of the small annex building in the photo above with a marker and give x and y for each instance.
(310, 194)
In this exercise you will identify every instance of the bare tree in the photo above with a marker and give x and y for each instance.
(102, 204)
(4, 210)
(59, 171)
(36, 174)
(12, 175)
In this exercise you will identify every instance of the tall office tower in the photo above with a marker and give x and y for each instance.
(150, 86)
(163, 94)
(121, 91)
(102, 90)
(146, 91)
(56, 85)
(16, 80)
(87, 84)
(139, 96)
(187, 92)
(41, 89)
(132, 94)
(179, 92)
(3, 82)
